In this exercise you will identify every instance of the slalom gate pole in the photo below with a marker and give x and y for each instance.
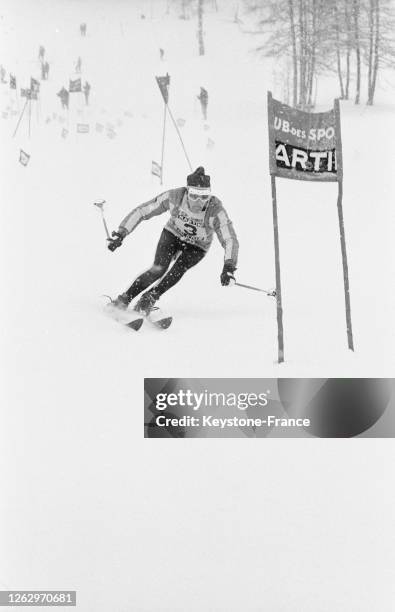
(100, 206)
(30, 114)
(350, 339)
(280, 333)
(179, 135)
(20, 119)
(270, 293)
(163, 143)
(339, 156)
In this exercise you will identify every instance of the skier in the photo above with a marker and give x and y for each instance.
(46, 69)
(2, 74)
(41, 53)
(162, 53)
(64, 97)
(83, 29)
(203, 97)
(195, 214)
(78, 65)
(86, 90)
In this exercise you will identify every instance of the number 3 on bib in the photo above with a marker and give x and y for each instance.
(190, 229)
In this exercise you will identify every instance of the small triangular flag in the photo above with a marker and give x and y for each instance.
(23, 158)
(156, 170)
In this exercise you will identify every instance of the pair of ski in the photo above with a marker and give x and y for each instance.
(156, 317)
(134, 320)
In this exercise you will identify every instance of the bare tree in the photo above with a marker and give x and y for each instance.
(374, 34)
(338, 50)
(293, 29)
(302, 53)
(315, 37)
(294, 54)
(348, 46)
(355, 12)
(200, 27)
(185, 9)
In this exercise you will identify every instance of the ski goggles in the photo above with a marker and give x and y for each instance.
(196, 194)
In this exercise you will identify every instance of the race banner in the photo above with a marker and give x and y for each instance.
(29, 94)
(304, 146)
(75, 86)
(82, 128)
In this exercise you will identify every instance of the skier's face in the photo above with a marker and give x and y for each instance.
(197, 202)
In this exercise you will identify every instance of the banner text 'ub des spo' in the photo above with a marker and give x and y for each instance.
(304, 146)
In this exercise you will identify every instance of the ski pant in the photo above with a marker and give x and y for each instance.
(168, 248)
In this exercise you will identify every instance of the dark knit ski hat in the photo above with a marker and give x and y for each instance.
(198, 179)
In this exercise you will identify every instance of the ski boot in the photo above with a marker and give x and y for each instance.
(121, 302)
(145, 305)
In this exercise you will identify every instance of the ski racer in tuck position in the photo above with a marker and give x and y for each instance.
(195, 214)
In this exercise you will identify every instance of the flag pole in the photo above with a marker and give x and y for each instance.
(339, 162)
(179, 136)
(272, 170)
(350, 339)
(30, 112)
(163, 84)
(280, 333)
(20, 118)
(163, 142)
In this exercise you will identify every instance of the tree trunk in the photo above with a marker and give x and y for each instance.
(287, 86)
(200, 27)
(313, 46)
(357, 49)
(349, 47)
(370, 55)
(339, 68)
(294, 55)
(302, 54)
(376, 50)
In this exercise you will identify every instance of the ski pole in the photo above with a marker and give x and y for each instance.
(271, 293)
(100, 206)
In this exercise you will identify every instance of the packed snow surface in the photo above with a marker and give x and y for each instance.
(89, 502)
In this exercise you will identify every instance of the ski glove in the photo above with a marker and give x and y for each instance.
(227, 275)
(116, 241)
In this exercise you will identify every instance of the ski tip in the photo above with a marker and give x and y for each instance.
(135, 324)
(164, 323)
(109, 298)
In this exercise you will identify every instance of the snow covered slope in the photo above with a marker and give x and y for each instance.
(72, 268)
(73, 378)
(64, 258)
